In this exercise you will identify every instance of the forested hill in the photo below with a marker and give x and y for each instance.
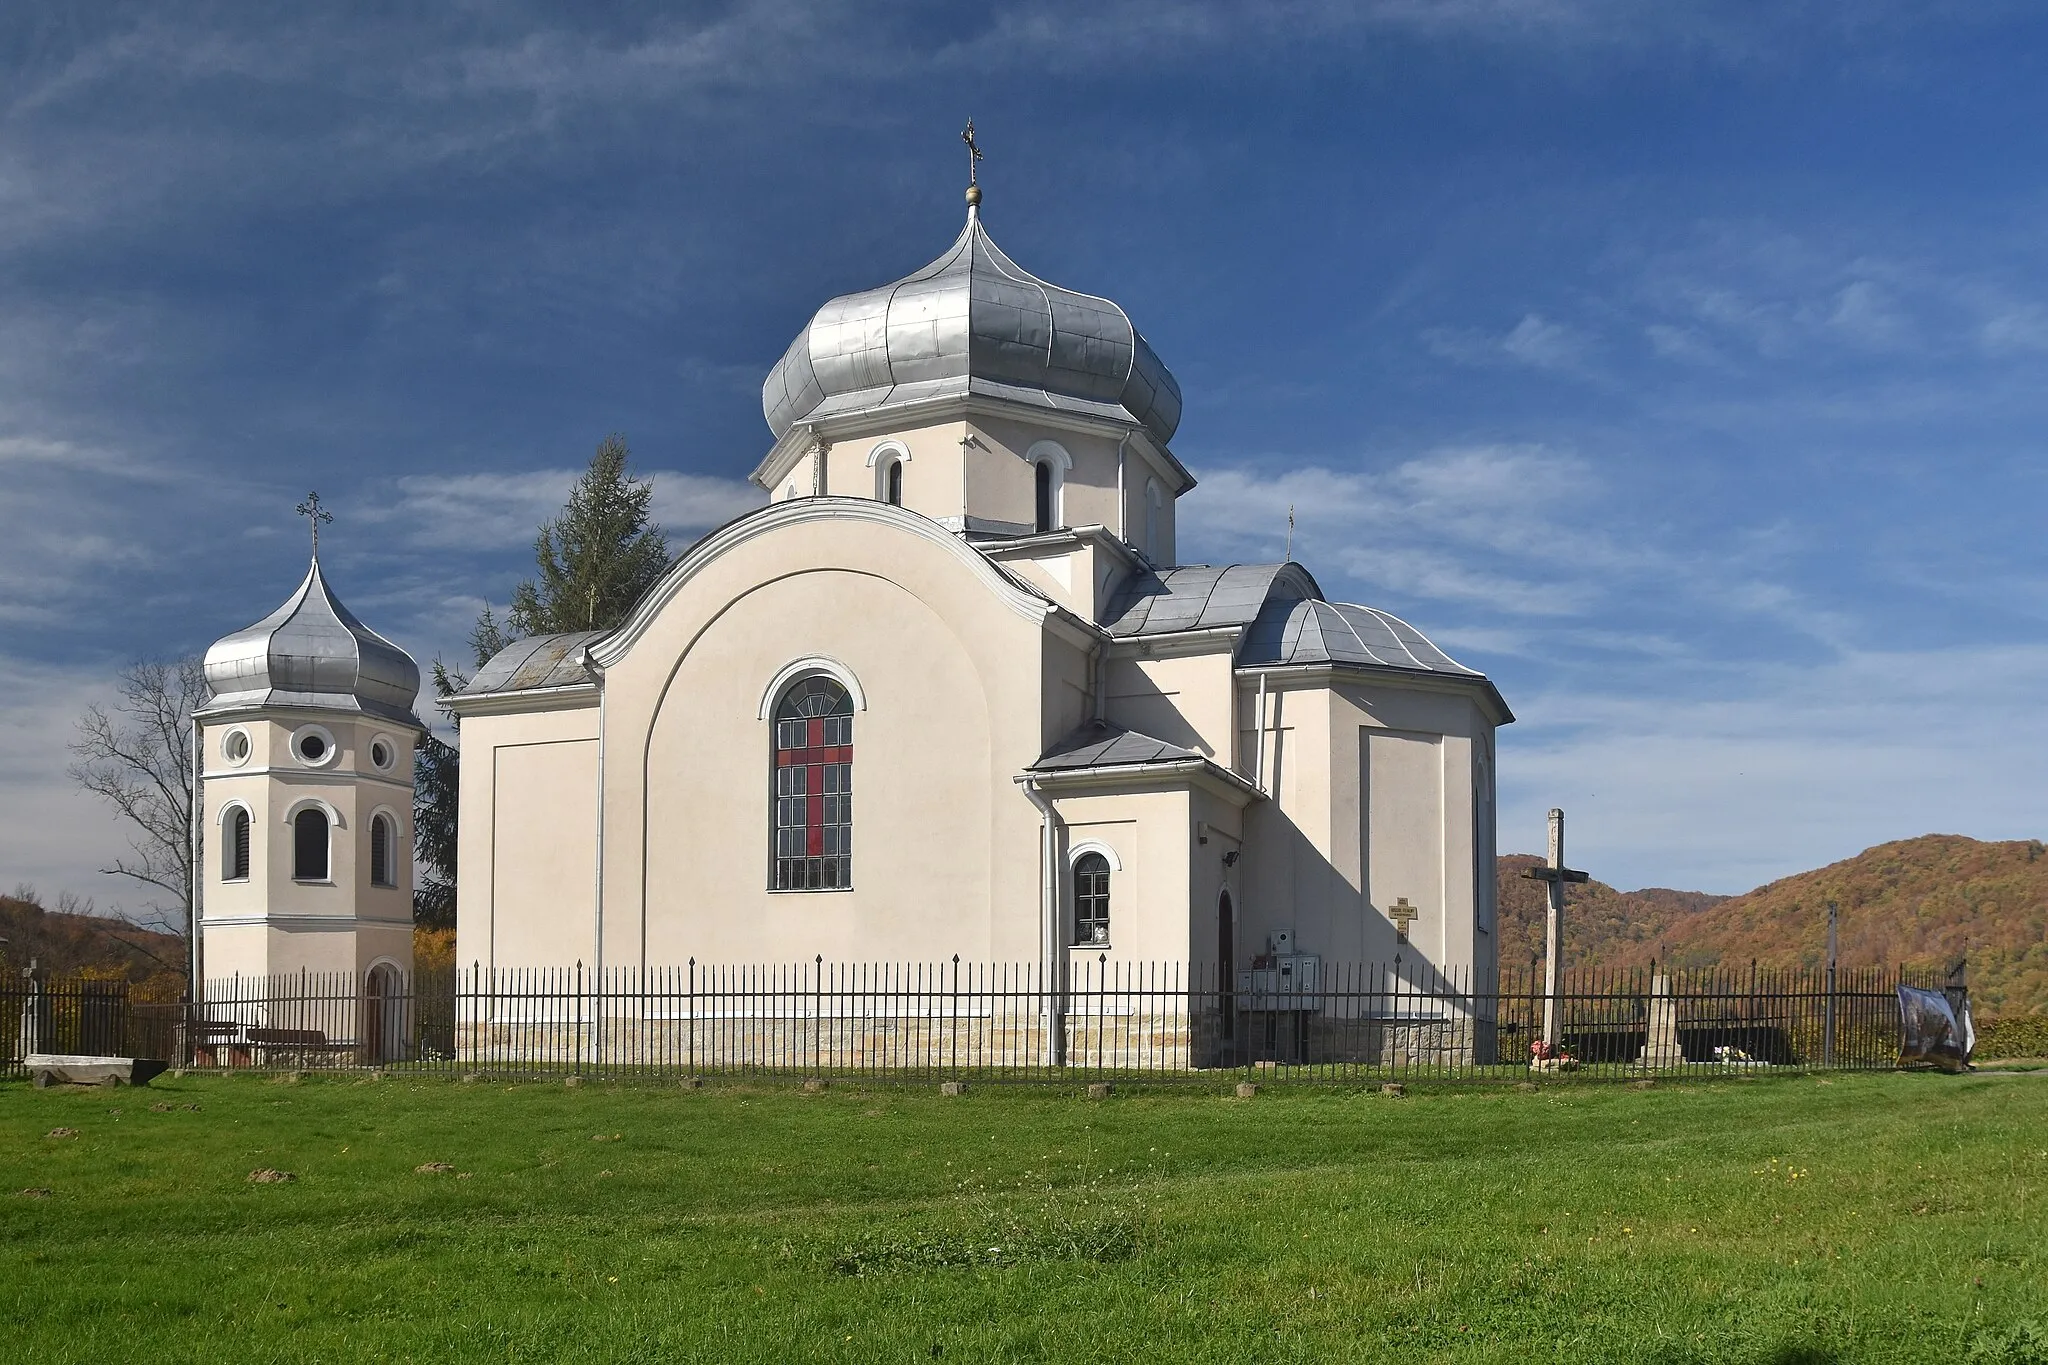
(64, 943)
(1922, 901)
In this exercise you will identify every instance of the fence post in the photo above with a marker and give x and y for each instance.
(1827, 1031)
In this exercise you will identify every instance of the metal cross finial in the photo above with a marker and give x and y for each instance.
(1290, 533)
(973, 151)
(314, 513)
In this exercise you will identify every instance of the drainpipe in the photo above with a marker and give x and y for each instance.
(1049, 922)
(1259, 739)
(1099, 659)
(1123, 514)
(597, 881)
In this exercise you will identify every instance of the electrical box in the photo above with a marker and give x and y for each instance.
(1283, 942)
(1290, 983)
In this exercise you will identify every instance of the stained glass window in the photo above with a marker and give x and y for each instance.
(813, 787)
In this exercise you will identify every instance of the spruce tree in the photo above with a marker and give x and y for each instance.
(598, 556)
(595, 561)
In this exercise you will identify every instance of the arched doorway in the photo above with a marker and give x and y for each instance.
(383, 1015)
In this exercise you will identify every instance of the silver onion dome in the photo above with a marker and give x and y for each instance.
(312, 653)
(972, 321)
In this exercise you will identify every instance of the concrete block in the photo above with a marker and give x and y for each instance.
(1394, 1088)
(952, 1087)
(1245, 1090)
(1100, 1090)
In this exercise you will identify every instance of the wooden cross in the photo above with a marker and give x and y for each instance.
(313, 512)
(973, 151)
(1557, 874)
(1402, 914)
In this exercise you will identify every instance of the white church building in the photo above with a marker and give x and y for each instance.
(954, 691)
(951, 692)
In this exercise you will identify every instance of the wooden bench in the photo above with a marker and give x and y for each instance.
(269, 1043)
(208, 1038)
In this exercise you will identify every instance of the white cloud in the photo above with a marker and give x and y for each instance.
(1534, 342)
(1461, 524)
(52, 835)
(504, 511)
(1782, 768)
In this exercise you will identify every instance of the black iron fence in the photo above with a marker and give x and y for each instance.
(1298, 1018)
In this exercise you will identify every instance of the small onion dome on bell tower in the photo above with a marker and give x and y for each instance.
(312, 653)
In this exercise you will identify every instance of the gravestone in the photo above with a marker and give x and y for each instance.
(1660, 1047)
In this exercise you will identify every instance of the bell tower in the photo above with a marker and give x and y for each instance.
(306, 777)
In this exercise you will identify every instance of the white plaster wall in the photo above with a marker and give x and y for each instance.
(526, 890)
(1182, 699)
(269, 783)
(961, 690)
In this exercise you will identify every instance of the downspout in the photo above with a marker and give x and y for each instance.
(1048, 910)
(597, 880)
(1259, 739)
(1123, 511)
(1099, 659)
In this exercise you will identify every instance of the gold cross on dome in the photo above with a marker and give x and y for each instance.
(314, 513)
(973, 151)
(1403, 914)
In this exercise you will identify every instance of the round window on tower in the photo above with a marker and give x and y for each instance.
(382, 754)
(235, 747)
(313, 745)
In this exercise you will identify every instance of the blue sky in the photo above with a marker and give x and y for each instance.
(1681, 367)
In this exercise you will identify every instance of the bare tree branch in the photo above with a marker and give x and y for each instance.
(138, 759)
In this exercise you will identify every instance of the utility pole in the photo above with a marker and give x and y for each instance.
(1556, 874)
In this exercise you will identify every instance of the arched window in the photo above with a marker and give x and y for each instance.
(1041, 475)
(1155, 522)
(892, 482)
(813, 791)
(381, 873)
(309, 845)
(1091, 898)
(234, 861)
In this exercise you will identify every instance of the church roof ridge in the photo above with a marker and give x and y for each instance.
(1205, 596)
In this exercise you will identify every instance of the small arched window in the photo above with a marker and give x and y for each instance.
(1042, 488)
(1091, 898)
(309, 845)
(234, 862)
(813, 787)
(381, 873)
(892, 482)
(1155, 523)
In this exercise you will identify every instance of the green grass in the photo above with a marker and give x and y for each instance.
(1779, 1219)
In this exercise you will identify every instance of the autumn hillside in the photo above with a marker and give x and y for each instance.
(1923, 901)
(64, 942)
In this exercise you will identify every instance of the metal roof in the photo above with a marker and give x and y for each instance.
(535, 662)
(972, 321)
(1313, 632)
(1099, 744)
(1203, 596)
(312, 652)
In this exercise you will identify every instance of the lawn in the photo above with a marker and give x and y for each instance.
(1876, 1217)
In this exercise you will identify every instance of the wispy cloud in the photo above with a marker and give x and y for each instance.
(1781, 767)
(1534, 342)
(505, 511)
